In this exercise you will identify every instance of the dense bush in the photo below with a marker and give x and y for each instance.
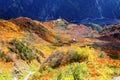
(96, 27)
(74, 71)
(102, 54)
(2, 54)
(68, 55)
(5, 57)
(23, 50)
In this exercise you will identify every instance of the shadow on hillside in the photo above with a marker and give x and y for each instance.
(112, 48)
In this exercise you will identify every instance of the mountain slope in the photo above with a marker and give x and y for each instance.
(36, 27)
(67, 9)
(28, 49)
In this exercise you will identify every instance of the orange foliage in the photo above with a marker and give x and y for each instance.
(6, 66)
(50, 24)
(36, 27)
(9, 31)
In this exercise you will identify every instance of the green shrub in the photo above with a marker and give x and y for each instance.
(61, 57)
(96, 27)
(79, 54)
(2, 54)
(74, 57)
(75, 71)
(23, 50)
(80, 71)
(8, 59)
(56, 62)
(5, 57)
(59, 75)
(45, 70)
(102, 54)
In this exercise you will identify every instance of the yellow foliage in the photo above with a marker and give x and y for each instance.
(68, 78)
(6, 50)
(9, 31)
(86, 51)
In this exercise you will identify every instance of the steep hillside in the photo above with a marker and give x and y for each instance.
(23, 43)
(36, 27)
(9, 30)
(57, 50)
(112, 31)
